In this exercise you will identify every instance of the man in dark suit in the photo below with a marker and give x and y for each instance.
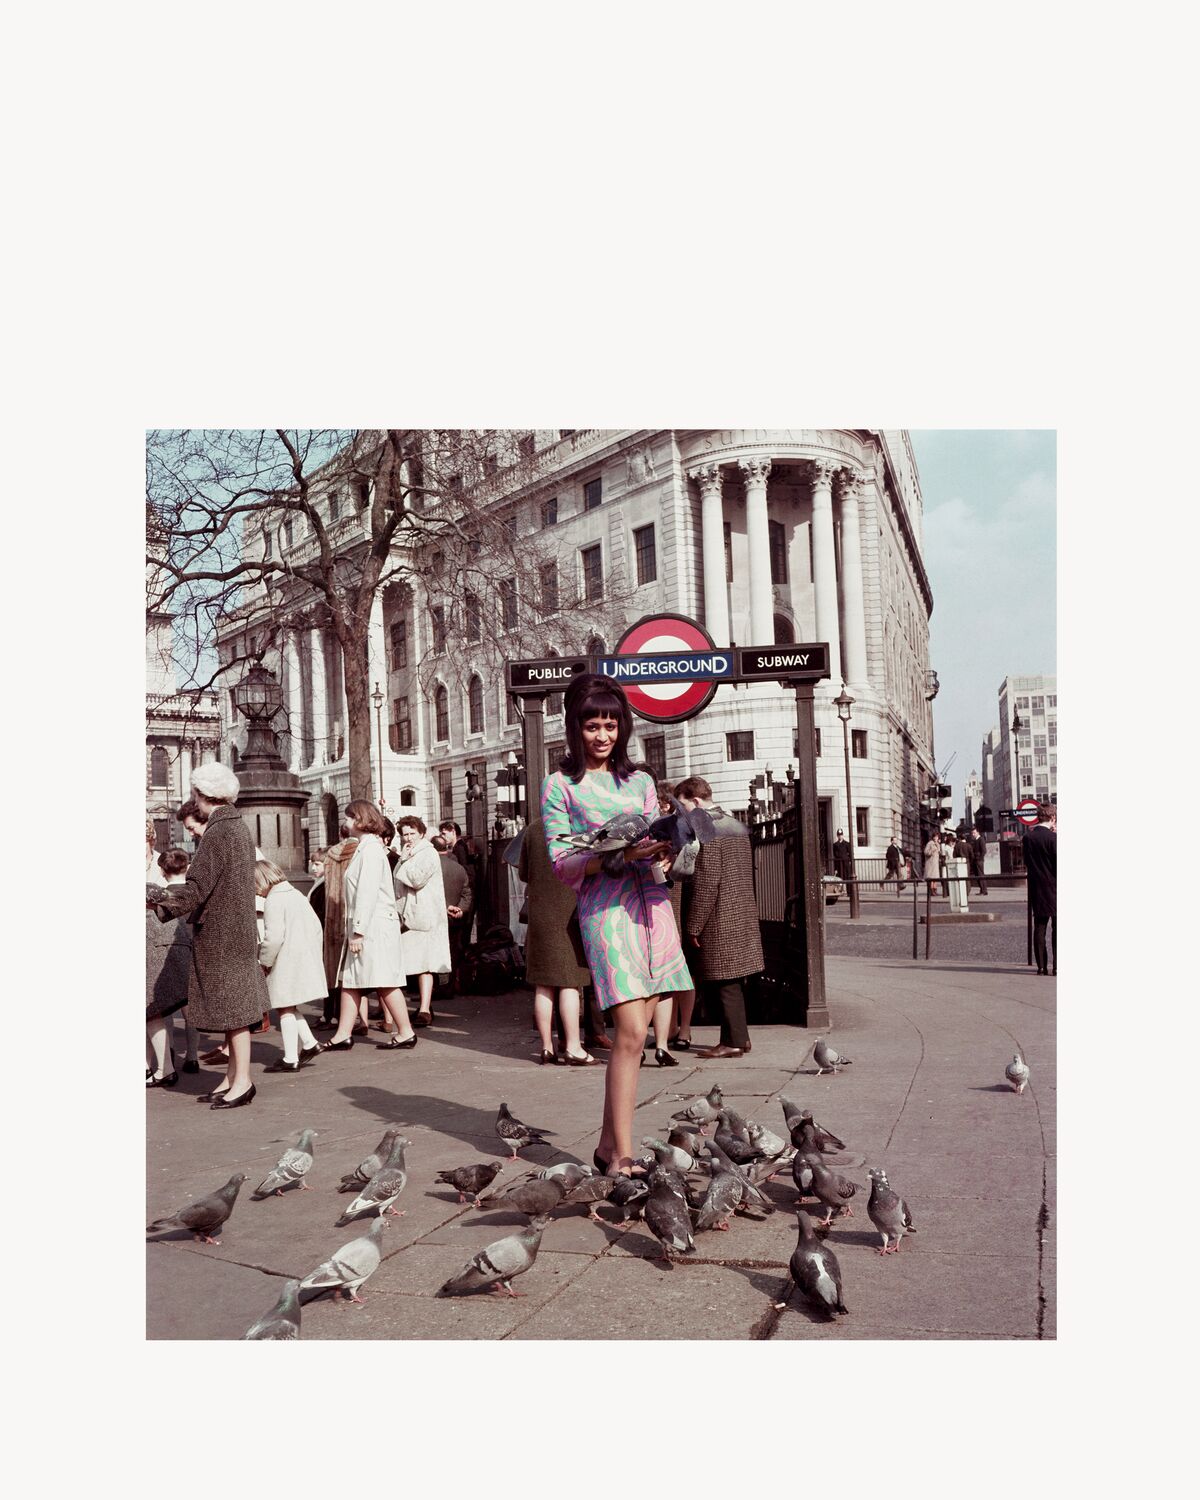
(894, 857)
(721, 919)
(843, 857)
(977, 855)
(1039, 848)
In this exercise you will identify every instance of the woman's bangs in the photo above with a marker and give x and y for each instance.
(601, 704)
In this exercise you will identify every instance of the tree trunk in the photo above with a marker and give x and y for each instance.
(358, 712)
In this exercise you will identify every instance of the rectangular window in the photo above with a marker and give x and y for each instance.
(399, 634)
(858, 744)
(508, 603)
(740, 745)
(1039, 742)
(1023, 703)
(362, 493)
(549, 582)
(862, 826)
(778, 540)
(643, 546)
(525, 445)
(438, 616)
(728, 552)
(512, 713)
(335, 504)
(474, 619)
(816, 743)
(416, 481)
(1039, 705)
(1053, 700)
(289, 531)
(550, 512)
(266, 541)
(654, 753)
(554, 753)
(401, 726)
(446, 792)
(1052, 734)
(593, 573)
(1026, 767)
(1039, 757)
(591, 495)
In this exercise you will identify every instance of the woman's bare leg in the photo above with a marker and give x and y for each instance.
(685, 1004)
(348, 1014)
(569, 1009)
(395, 1005)
(425, 992)
(620, 1088)
(238, 1075)
(543, 1015)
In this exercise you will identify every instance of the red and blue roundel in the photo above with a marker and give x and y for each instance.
(666, 703)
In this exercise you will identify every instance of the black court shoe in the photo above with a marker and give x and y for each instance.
(225, 1103)
(664, 1059)
(167, 1081)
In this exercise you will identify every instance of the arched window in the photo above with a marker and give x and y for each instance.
(158, 766)
(441, 710)
(475, 705)
(595, 647)
(785, 631)
(408, 798)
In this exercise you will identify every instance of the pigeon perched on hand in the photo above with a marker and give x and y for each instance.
(833, 1191)
(384, 1188)
(347, 1268)
(515, 1135)
(702, 1110)
(283, 1320)
(366, 1169)
(471, 1179)
(814, 1269)
(888, 1211)
(496, 1264)
(290, 1167)
(829, 1059)
(206, 1216)
(537, 1199)
(1017, 1073)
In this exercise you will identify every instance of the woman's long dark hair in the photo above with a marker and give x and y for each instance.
(588, 697)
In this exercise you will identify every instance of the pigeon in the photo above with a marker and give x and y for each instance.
(725, 1192)
(629, 1193)
(733, 1145)
(832, 1190)
(888, 1211)
(666, 1215)
(384, 1188)
(515, 1135)
(537, 1199)
(365, 1170)
(570, 1173)
(594, 1189)
(815, 1270)
(1017, 1073)
(751, 1193)
(283, 1321)
(802, 1176)
(825, 1139)
(828, 1058)
(735, 1124)
(686, 1138)
(471, 1179)
(792, 1113)
(681, 1160)
(204, 1217)
(766, 1141)
(347, 1268)
(496, 1264)
(702, 1110)
(290, 1167)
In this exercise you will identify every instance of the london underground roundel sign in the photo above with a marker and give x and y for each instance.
(660, 690)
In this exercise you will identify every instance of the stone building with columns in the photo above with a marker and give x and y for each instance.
(763, 535)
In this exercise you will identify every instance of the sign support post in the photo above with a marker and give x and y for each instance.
(534, 720)
(809, 895)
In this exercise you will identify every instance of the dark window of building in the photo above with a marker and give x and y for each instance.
(1023, 703)
(643, 546)
(454, 483)
(473, 617)
(416, 481)
(785, 631)
(399, 634)
(159, 767)
(554, 701)
(554, 753)
(778, 540)
(446, 792)
(593, 573)
(441, 709)
(565, 432)
(362, 493)
(289, 531)
(740, 745)
(728, 552)
(591, 495)
(401, 725)
(549, 582)
(408, 797)
(437, 563)
(1039, 757)
(1053, 700)
(335, 504)
(654, 753)
(438, 616)
(1039, 705)
(267, 540)
(1052, 733)
(475, 705)
(508, 603)
(858, 744)
(490, 465)
(512, 712)
(525, 445)
(862, 826)
(162, 835)
(816, 742)
(550, 511)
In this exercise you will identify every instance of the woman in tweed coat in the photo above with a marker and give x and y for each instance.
(226, 989)
(554, 959)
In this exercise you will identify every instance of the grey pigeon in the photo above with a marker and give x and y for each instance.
(751, 1193)
(666, 1215)
(702, 1110)
(687, 1138)
(825, 1139)
(792, 1113)
(471, 1179)
(366, 1169)
(681, 1160)
(569, 1173)
(515, 1135)
(1017, 1073)
(735, 1124)
(888, 1211)
(828, 1058)
(833, 1190)
(537, 1199)
(725, 1192)
(741, 1151)
(290, 1167)
(384, 1188)
(496, 1264)
(814, 1269)
(597, 1188)
(206, 1216)
(347, 1268)
(802, 1175)
(283, 1321)
(629, 1193)
(766, 1141)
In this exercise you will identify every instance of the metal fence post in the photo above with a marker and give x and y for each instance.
(914, 919)
(928, 913)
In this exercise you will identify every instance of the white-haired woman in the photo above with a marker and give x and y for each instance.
(226, 989)
(292, 957)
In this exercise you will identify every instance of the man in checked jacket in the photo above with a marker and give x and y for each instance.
(721, 919)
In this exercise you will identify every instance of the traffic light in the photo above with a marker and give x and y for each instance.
(984, 820)
(940, 801)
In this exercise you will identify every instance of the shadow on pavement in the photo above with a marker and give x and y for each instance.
(449, 1117)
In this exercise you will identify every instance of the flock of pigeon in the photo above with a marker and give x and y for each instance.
(687, 1184)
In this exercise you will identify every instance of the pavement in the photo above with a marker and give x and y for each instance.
(925, 1097)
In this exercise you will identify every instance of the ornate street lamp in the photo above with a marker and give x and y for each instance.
(258, 697)
(843, 703)
(377, 700)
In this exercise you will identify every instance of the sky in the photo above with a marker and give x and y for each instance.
(990, 552)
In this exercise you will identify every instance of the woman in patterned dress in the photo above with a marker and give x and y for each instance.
(629, 932)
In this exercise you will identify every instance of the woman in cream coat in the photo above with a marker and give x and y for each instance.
(423, 916)
(371, 951)
(291, 957)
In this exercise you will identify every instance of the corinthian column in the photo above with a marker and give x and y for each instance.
(712, 538)
(853, 609)
(291, 657)
(319, 718)
(758, 539)
(825, 566)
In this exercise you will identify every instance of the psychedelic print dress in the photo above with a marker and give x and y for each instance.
(628, 928)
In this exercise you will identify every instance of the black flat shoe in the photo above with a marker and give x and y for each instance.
(308, 1053)
(396, 1045)
(338, 1046)
(280, 1066)
(664, 1058)
(211, 1095)
(167, 1081)
(191, 1067)
(547, 1057)
(224, 1103)
(680, 1044)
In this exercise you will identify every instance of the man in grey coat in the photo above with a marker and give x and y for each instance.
(721, 919)
(457, 883)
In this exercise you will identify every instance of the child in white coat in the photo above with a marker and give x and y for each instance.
(292, 957)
